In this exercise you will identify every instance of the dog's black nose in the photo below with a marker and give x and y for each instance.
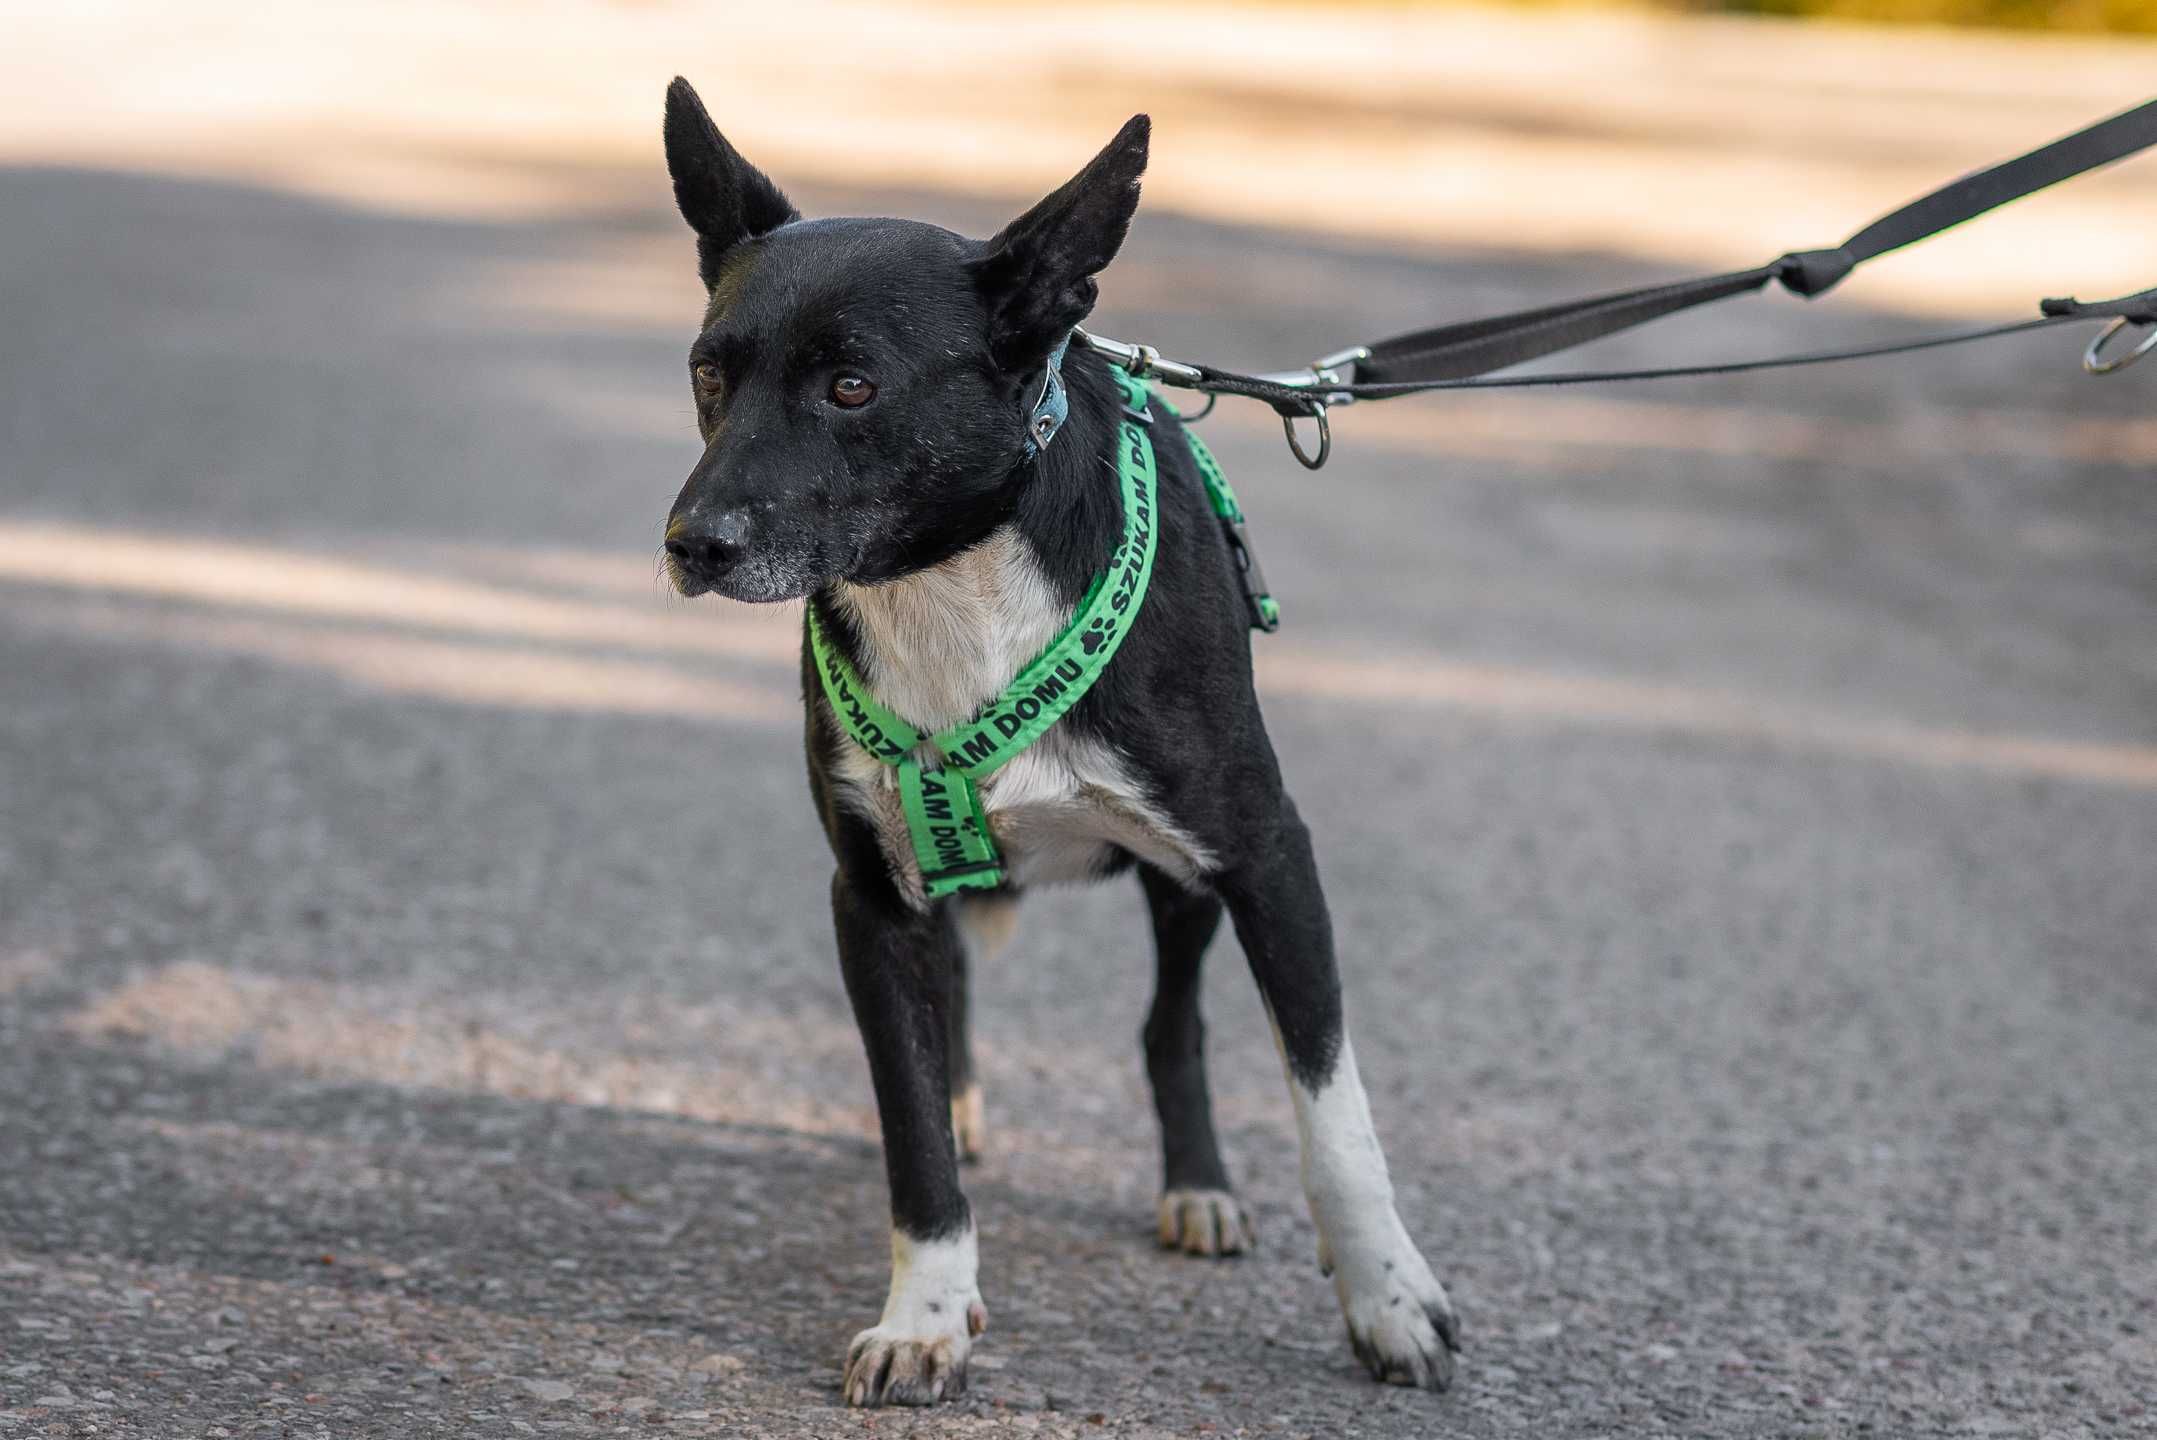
(710, 546)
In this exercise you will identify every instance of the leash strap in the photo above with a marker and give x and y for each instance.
(937, 776)
(2139, 308)
(1475, 347)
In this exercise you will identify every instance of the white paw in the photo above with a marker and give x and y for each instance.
(916, 1354)
(1205, 1222)
(969, 1126)
(1400, 1320)
(887, 1367)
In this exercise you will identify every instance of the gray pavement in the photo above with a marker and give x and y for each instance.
(417, 1016)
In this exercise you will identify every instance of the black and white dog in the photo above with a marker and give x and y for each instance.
(864, 388)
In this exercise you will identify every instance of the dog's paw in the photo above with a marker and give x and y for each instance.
(969, 1125)
(1402, 1325)
(887, 1367)
(1205, 1222)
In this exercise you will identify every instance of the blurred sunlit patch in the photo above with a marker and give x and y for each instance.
(290, 598)
(22, 970)
(646, 281)
(1632, 705)
(347, 1032)
(1227, 283)
(762, 1071)
(602, 403)
(459, 671)
(296, 582)
(1552, 130)
(590, 574)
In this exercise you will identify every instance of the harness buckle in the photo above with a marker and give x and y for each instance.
(1137, 399)
(1265, 610)
(973, 875)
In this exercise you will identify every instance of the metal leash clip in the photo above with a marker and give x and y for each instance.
(2094, 361)
(1325, 377)
(1141, 361)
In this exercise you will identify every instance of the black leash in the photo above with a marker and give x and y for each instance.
(1459, 356)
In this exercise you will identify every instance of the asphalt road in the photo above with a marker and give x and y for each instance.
(417, 1014)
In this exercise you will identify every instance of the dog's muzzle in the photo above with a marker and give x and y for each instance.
(705, 549)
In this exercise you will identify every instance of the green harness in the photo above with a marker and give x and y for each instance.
(944, 815)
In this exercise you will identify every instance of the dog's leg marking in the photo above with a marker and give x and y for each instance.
(916, 1354)
(897, 963)
(1199, 1214)
(1400, 1320)
(986, 926)
(969, 1119)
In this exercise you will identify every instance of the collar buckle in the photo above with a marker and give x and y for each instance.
(1052, 406)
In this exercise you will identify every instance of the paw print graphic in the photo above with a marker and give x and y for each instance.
(1097, 634)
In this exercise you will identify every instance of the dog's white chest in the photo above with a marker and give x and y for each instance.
(936, 647)
(1058, 813)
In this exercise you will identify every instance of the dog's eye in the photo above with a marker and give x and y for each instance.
(706, 375)
(852, 391)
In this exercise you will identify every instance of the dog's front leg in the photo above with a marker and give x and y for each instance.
(1400, 1320)
(898, 968)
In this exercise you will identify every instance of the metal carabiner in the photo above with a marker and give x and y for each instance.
(1324, 377)
(2093, 359)
(1325, 436)
(1140, 360)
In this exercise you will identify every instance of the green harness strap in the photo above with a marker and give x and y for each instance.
(942, 803)
(944, 817)
(1265, 610)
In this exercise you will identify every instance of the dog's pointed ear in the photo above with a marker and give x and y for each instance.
(1037, 273)
(725, 199)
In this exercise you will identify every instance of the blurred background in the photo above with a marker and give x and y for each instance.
(1738, 798)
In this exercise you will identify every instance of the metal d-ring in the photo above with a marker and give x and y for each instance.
(1325, 437)
(2093, 358)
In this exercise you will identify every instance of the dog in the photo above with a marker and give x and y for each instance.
(879, 402)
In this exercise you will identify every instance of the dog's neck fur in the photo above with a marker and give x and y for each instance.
(938, 644)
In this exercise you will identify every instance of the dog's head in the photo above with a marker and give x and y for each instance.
(863, 386)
